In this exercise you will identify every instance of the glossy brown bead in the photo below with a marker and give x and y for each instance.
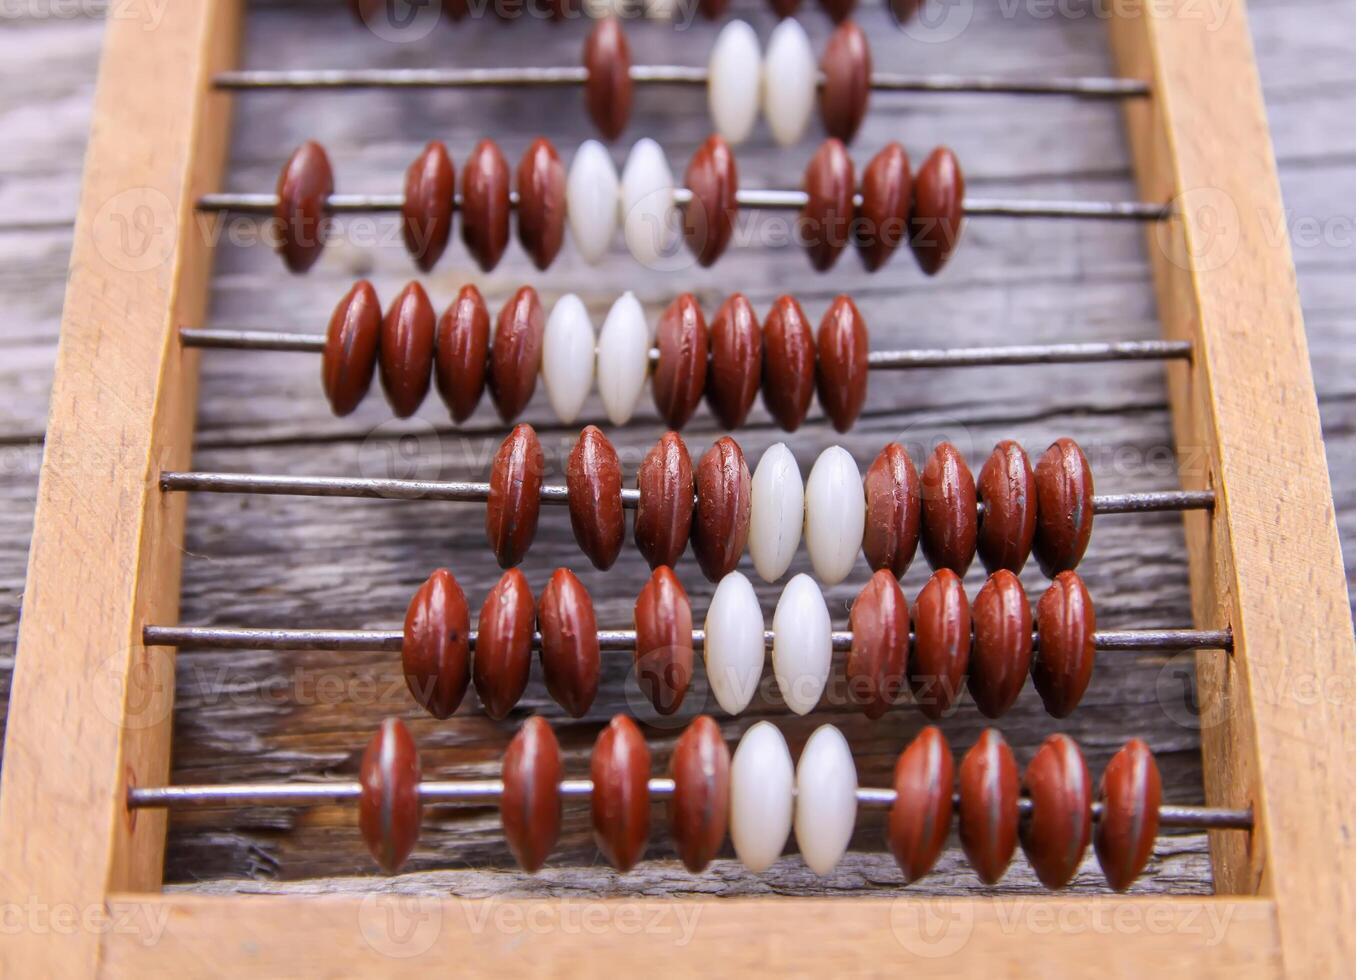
(847, 81)
(530, 806)
(1001, 655)
(842, 370)
(664, 641)
(541, 202)
(301, 217)
(880, 644)
(664, 514)
(514, 500)
(389, 811)
(950, 510)
(1131, 791)
(920, 817)
(461, 352)
(989, 792)
(903, 10)
(1064, 509)
(788, 363)
(785, 8)
(709, 218)
(436, 650)
(724, 495)
(607, 90)
(515, 357)
(882, 222)
(1055, 834)
(570, 657)
(621, 792)
(1007, 488)
(680, 374)
(712, 9)
(503, 657)
(825, 225)
(351, 345)
(406, 350)
(426, 214)
(938, 210)
(736, 361)
(838, 10)
(1065, 628)
(485, 204)
(700, 805)
(941, 647)
(893, 511)
(593, 478)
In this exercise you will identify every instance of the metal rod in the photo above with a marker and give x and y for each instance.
(486, 791)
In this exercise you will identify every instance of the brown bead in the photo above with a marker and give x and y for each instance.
(950, 526)
(530, 808)
(838, 10)
(1001, 656)
(712, 9)
(436, 650)
(1065, 624)
(607, 90)
(736, 361)
(700, 805)
(621, 792)
(903, 10)
(788, 363)
(593, 477)
(882, 222)
(920, 817)
(461, 353)
(514, 501)
(426, 215)
(893, 511)
(724, 495)
(1064, 509)
(570, 657)
(351, 348)
(989, 791)
(680, 375)
(938, 210)
(389, 810)
(825, 224)
(664, 641)
(709, 218)
(301, 217)
(941, 646)
(664, 514)
(1056, 833)
(515, 358)
(503, 657)
(485, 204)
(880, 644)
(785, 8)
(847, 81)
(1007, 488)
(541, 202)
(843, 348)
(1131, 792)
(406, 350)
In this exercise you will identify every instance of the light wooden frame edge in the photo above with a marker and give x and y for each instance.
(106, 545)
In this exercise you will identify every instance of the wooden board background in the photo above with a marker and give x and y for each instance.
(280, 561)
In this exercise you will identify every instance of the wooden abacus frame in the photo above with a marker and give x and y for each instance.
(90, 707)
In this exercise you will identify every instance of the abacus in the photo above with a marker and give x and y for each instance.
(894, 706)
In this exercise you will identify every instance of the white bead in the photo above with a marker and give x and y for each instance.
(649, 215)
(591, 194)
(623, 358)
(826, 799)
(567, 357)
(802, 644)
(733, 81)
(761, 784)
(734, 647)
(776, 512)
(835, 514)
(790, 81)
